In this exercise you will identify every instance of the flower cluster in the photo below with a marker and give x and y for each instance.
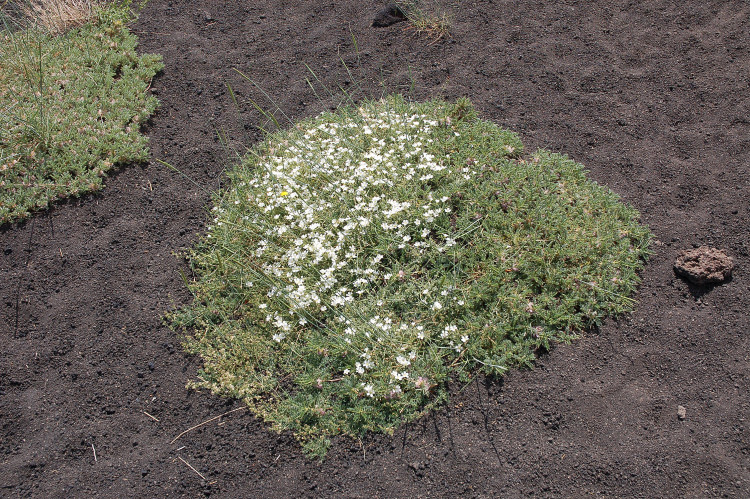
(333, 230)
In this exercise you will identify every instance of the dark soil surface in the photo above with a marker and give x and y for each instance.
(652, 96)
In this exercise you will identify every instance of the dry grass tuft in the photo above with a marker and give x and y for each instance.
(430, 18)
(55, 16)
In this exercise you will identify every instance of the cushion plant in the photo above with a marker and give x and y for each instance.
(362, 258)
(71, 107)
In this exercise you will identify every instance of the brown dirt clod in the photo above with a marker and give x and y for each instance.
(704, 265)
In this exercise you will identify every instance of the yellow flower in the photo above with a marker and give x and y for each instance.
(284, 193)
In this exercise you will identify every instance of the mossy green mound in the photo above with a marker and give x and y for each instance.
(362, 258)
(71, 107)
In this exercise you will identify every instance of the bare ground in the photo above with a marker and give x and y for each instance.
(652, 96)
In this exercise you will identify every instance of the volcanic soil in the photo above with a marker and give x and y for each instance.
(652, 96)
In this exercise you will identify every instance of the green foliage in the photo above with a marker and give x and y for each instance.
(71, 107)
(363, 258)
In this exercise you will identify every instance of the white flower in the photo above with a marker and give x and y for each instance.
(369, 390)
(281, 323)
(278, 337)
(437, 306)
(464, 339)
(403, 360)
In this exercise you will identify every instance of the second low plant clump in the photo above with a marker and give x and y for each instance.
(73, 98)
(363, 258)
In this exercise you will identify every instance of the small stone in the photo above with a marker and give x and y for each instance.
(388, 15)
(704, 265)
(681, 413)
